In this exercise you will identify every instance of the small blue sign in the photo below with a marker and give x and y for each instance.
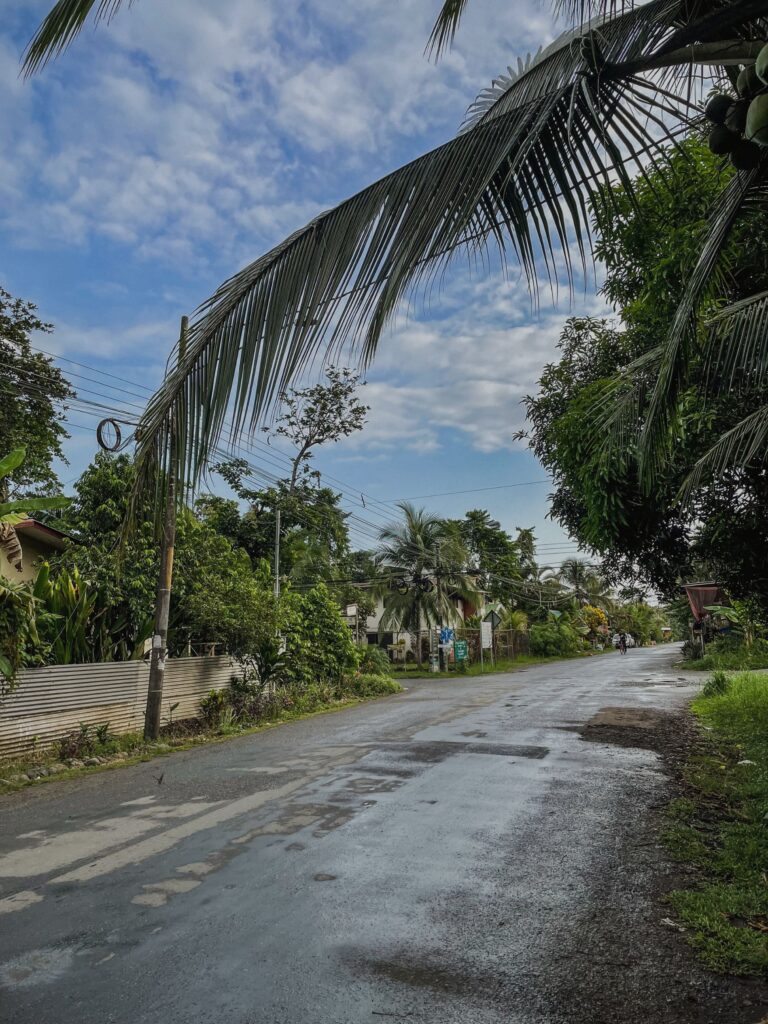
(446, 635)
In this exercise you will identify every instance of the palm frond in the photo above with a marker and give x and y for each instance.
(60, 26)
(444, 29)
(745, 443)
(683, 330)
(737, 349)
(518, 180)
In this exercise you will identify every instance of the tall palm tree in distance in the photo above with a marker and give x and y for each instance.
(429, 562)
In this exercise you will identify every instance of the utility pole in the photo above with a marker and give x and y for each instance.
(440, 651)
(163, 602)
(277, 552)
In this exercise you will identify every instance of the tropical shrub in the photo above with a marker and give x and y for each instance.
(691, 650)
(318, 642)
(212, 706)
(20, 643)
(716, 685)
(724, 654)
(371, 684)
(372, 660)
(554, 639)
(87, 741)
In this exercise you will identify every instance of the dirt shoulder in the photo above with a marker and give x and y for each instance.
(625, 959)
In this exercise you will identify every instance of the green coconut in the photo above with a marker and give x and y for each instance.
(736, 116)
(745, 155)
(757, 121)
(717, 108)
(722, 141)
(747, 84)
(761, 65)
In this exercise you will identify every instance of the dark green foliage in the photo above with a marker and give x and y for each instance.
(372, 684)
(647, 251)
(87, 741)
(691, 650)
(314, 537)
(318, 642)
(20, 642)
(732, 656)
(716, 685)
(372, 660)
(554, 639)
(32, 391)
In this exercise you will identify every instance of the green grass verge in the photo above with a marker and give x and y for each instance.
(729, 661)
(720, 829)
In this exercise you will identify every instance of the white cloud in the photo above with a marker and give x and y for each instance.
(203, 133)
(465, 374)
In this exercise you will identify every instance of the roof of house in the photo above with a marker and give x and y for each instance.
(42, 534)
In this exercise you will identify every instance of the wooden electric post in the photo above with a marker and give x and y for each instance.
(163, 602)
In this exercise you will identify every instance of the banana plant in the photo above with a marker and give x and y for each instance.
(740, 615)
(14, 512)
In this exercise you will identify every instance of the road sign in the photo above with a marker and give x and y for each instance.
(486, 634)
(460, 650)
(446, 635)
(494, 619)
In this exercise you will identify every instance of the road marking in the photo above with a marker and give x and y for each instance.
(19, 901)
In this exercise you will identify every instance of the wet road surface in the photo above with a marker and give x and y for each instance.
(429, 857)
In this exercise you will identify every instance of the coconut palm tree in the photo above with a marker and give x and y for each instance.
(425, 565)
(575, 573)
(596, 105)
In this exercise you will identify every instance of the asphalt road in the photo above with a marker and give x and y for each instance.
(437, 856)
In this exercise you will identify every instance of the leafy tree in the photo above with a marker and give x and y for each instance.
(553, 639)
(318, 642)
(492, 552)
(314, 536)
(595, 620)
(213, 578)
(647, 247)
(318, 415)
(32, 393)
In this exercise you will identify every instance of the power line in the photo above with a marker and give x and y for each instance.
(471, 490)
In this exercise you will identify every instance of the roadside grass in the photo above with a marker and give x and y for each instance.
(720, 827)
(414, 671)
(729, 661)
(115, 751)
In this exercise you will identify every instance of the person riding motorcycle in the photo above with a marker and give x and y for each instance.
(623, 642)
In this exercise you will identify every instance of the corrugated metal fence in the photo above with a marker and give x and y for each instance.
(52, 701)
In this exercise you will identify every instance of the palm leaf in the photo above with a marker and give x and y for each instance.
(518, 181)
(627, 421)
(444, 29)
(64, 21)
(738, 342)
(741, 445)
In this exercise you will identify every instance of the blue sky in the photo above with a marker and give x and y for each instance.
(166, 150)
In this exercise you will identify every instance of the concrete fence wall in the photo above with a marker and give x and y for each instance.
(52, 701)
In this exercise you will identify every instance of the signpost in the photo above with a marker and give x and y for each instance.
(460, 650)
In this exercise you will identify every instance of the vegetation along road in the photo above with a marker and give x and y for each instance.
(476, 849)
